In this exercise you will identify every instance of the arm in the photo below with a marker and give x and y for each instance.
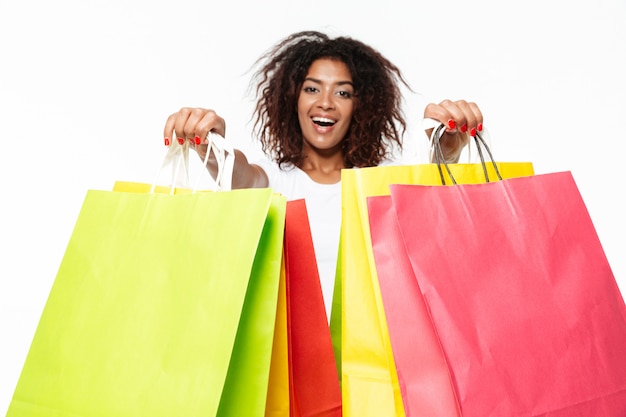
(461, 119)
(194, 124)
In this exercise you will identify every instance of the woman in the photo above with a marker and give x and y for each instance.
(324, 104)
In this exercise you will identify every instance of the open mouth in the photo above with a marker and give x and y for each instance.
(323, 121)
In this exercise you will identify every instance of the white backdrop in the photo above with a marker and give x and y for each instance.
(86, 86)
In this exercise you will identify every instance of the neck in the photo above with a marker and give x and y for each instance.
(323, 169)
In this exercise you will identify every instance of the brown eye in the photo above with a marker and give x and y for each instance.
(345, 94)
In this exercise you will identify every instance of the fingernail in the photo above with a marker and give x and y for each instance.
(473, 132)
(181, 140)
(464, 128)
(451, 124)
(198, 140)
(480, 127)
(167, 141)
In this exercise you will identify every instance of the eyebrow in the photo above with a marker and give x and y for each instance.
(315, 80)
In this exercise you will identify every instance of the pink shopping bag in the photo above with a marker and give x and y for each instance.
(520, 294)
(423, 374)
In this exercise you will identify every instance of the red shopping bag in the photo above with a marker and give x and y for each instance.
(314, 381)
(520, 294)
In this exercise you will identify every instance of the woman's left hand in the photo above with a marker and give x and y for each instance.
(461, 118)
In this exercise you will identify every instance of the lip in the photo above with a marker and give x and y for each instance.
(322, 118)
(322, 129)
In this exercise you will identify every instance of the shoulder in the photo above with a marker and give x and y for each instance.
(276, 173)
(287, 179)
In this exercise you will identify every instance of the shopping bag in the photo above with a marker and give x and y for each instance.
(370, 384)
(314, 382)
(521, 296)
(425, 381)
(277, 404)
(247, 382)
(146, 313)
(246, 388)
(303, 378)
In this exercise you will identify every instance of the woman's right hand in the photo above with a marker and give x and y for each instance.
(193, 124)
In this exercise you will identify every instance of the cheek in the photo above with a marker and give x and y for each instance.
(347, 111)
(302, 113)
(347, 107)
(303, 107)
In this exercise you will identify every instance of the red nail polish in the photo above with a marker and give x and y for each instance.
(480, 127)
(473, 132)
(464, 128)
(451, 124)
(167, 141)
(198, 140)
(181, 140)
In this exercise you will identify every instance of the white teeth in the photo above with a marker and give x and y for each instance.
(322, 120)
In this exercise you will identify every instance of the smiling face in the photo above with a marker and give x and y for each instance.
(325, 106)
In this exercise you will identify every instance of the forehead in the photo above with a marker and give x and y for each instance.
(329, 69)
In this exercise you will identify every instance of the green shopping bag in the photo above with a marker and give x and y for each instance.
(153, 306)
(246, 388)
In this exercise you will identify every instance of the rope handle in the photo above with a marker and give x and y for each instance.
(481, 144)
(177, 157)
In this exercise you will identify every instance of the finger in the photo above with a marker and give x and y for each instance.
(168, 130)
(441, 112)
(467, 115)
(216, 124)
(478, 117)
(180, 119)
(459, 111)
(471, 114)
(191, 128)
(205, 121)
(470, 119)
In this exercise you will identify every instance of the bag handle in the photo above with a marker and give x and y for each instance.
(178, 158)
(439, 158)
(225, 155)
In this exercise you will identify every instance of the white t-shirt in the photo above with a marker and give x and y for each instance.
(323, 202)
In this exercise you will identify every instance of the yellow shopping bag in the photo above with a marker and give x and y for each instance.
(278, 390)
(370, 384)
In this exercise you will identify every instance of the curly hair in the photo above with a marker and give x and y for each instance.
(377, 121)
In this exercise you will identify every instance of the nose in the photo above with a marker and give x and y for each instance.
(326, 100)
